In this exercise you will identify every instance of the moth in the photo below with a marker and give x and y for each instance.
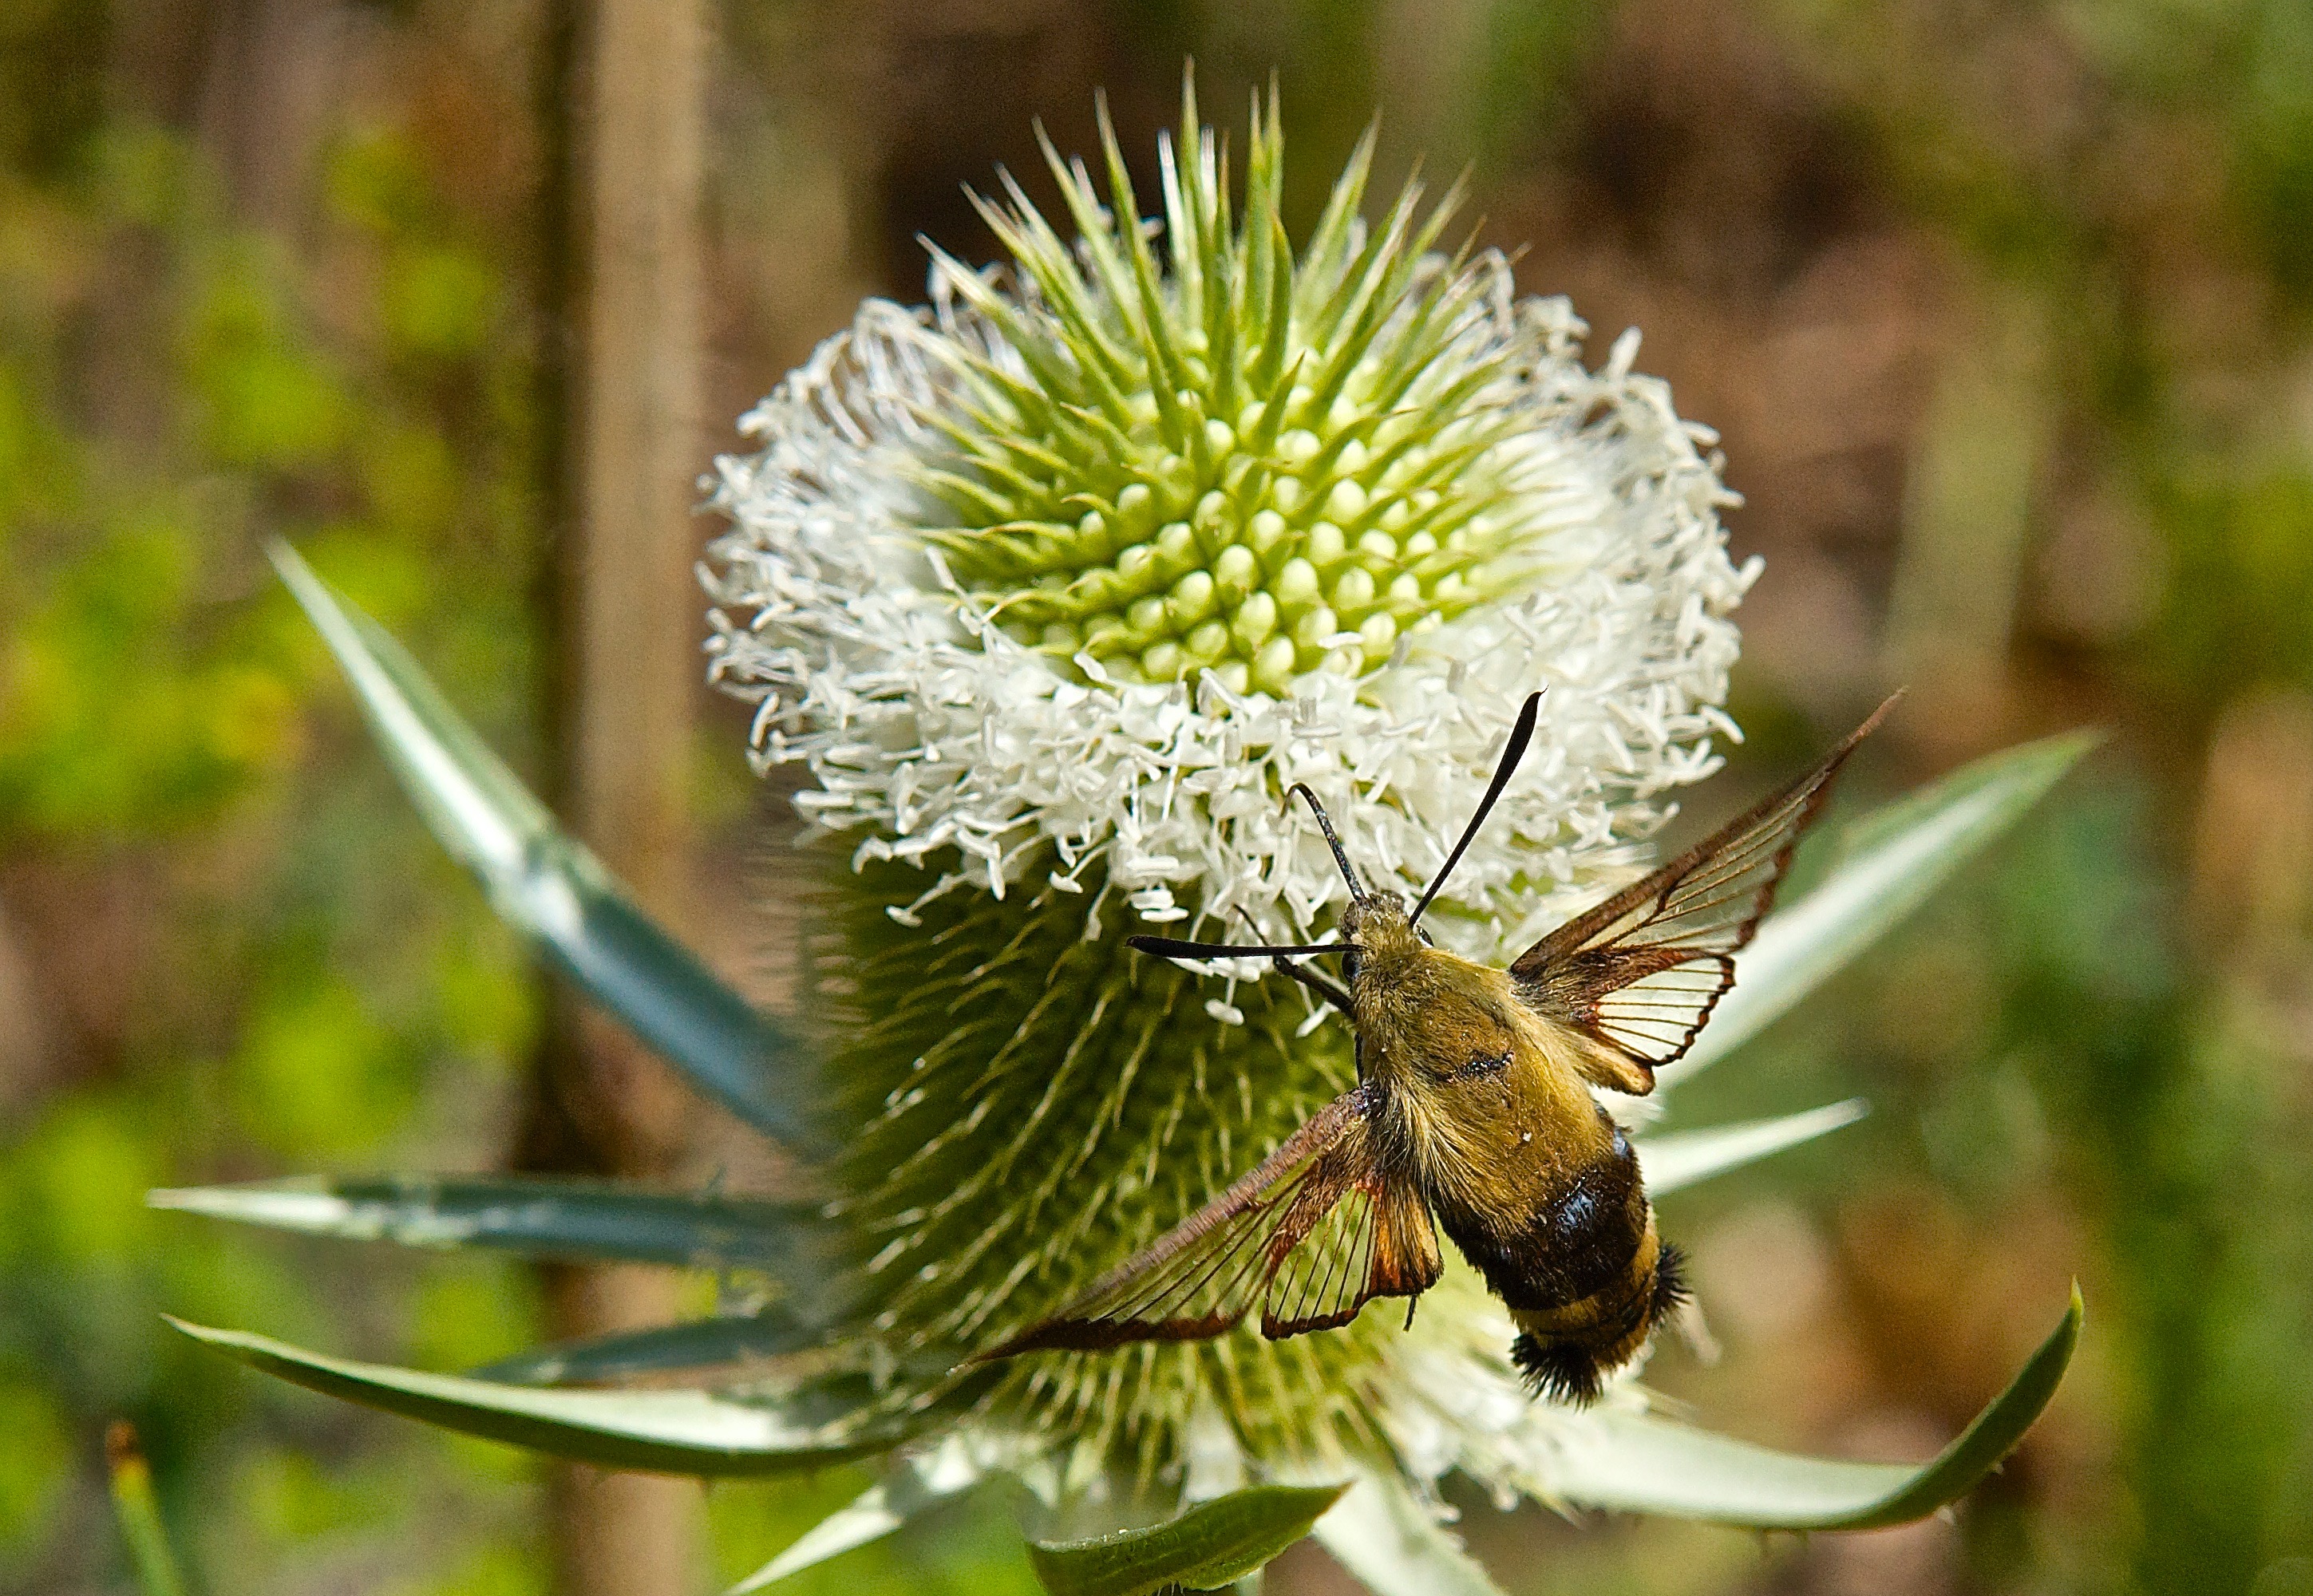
(1473, 1113)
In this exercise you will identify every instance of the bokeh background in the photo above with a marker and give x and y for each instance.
(2004, 310)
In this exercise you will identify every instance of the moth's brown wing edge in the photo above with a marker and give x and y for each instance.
(1095, 1335)
(1725, 884)
(1215, 1238)
(1607, 1004)
(1394, 1256)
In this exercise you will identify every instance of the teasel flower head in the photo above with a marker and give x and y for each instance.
(1055, 586)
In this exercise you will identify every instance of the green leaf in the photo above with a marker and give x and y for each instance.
(1637, 1463)
(1213, 1543)
(139, 1515)
(769, 1332)
(537, 1216)
(1896, 858)
(1686, 1158)
(547, 885)
(669, 1432)
(1396, 1546)
(912, 1485)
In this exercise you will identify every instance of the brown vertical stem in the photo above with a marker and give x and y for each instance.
(624, 86)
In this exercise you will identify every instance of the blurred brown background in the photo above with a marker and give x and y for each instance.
(2005, 312)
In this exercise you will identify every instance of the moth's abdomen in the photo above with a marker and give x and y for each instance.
(1566, 1351)
(1584, 1274)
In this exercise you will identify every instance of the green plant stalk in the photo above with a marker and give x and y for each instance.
(138, 1514)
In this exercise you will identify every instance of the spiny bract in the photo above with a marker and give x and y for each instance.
(1056, 585)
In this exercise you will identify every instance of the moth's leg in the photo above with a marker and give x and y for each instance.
(1308, 977)
(1317, 984)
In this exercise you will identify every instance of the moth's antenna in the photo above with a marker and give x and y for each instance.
(1521, 735)
(1325, 824)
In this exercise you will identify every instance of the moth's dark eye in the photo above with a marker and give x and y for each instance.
(1349, 966)
(1423, 933)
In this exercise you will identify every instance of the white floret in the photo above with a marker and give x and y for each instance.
(936, 739)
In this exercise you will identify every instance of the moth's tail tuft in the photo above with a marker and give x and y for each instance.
(1573, 1367)
(1561, 1370)
(1670, 1283)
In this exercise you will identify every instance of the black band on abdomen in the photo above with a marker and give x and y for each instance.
(1575, 1245)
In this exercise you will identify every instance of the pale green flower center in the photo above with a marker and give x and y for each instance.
(1242, 464)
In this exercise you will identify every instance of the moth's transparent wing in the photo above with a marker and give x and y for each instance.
(1208, 1272)
(1376, 1241)
(1214, 1267)
(1640, 973)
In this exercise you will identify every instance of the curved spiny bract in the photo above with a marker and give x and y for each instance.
(985, 1181)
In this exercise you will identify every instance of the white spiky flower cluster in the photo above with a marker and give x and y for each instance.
(935, 735)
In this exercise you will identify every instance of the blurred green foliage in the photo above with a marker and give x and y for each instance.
(174, 384)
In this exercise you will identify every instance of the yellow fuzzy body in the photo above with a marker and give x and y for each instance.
(1484, 1104)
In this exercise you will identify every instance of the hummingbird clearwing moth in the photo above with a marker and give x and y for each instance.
(1473, 1113)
